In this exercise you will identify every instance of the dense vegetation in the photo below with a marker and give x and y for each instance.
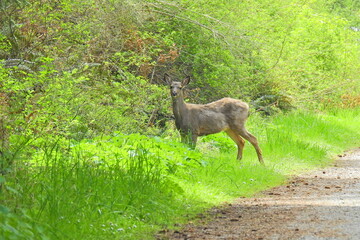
(88, 147)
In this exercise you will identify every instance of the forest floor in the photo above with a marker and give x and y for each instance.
(322, 204)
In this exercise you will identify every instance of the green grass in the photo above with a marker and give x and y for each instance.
(310, 139)
(130, 186)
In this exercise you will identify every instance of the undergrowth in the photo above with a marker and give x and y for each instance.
(130, 186)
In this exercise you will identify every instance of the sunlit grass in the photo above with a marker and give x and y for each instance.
(130, 186)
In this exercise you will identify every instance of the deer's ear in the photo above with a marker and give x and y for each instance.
(167, 78)
(185, 81)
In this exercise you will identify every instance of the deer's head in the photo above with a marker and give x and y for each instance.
(176, 88)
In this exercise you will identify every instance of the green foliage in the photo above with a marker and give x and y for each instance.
(19, 226)
(348, 9)
(130, 186)
(48, 101)
(79, 78)
(118, 182)
(312, 138)
(83, 68)
(288, 49)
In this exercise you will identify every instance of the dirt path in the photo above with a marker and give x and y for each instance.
(323, 204)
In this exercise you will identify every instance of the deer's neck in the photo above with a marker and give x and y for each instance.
(180, 111)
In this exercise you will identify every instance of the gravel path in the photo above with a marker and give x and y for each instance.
(323, 204)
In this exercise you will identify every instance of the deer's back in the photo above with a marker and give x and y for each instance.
(224, 106)
(217, 116)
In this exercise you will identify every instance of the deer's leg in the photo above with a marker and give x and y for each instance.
(193, 140)
(185, 138)
(189, 139)
(238, 140)
(252, 139)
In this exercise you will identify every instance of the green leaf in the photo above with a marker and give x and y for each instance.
(4, 209)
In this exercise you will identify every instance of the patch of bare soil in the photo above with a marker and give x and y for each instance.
(324, 204)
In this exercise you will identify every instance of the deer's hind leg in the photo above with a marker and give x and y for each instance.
(252, 139)
(238, 140)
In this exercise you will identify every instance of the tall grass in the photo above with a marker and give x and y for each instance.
(130, 186)
(311, 140)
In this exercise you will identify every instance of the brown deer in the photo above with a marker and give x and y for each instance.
(226, 114)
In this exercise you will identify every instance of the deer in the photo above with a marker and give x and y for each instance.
(194, 120)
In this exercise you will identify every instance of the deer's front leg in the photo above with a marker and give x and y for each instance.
(189, 138)
(193, 140)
